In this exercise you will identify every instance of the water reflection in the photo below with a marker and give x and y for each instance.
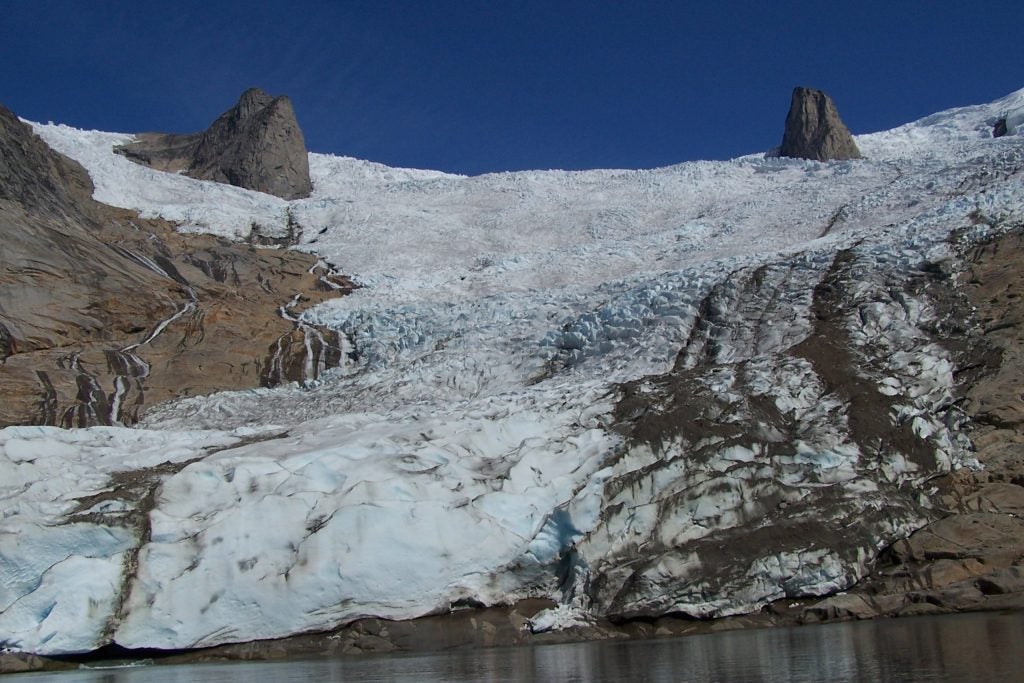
(948, 648)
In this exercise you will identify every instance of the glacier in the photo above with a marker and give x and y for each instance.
(631, 392)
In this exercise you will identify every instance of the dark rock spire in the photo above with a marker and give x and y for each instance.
(814, 129)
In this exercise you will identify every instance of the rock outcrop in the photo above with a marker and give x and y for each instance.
(814, 129)
(972, 556)
(257, 145)
(103, 313)
(999, 130)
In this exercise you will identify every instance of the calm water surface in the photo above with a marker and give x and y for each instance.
(974, 647)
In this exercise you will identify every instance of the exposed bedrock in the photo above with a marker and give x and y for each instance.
(972, 556)
(257, 144)
(814, 129)
(103, 313)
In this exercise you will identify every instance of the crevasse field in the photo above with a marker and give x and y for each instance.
(468, 449)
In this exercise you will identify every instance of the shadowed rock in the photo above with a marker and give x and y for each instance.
(257, 145)
(814, 129)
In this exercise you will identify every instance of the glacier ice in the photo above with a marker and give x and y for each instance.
(599, 387)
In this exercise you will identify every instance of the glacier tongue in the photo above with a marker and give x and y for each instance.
(361, 514)
(695, 390)
(76, 506)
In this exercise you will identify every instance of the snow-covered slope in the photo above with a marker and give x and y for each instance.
(478, 448)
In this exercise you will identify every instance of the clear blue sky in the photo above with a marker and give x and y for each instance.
(472, 87)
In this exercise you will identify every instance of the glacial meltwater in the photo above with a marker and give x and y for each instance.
(969, 647)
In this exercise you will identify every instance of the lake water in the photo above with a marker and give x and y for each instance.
(972, 647)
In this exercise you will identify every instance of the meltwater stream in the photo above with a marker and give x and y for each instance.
(971, 647)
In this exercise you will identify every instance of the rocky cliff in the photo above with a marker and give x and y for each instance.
(103, 313)
(814, 129)
(972, 555)
(257, 145)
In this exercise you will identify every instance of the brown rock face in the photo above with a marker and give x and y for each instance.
(972, 557)
(58, 282)
(257, 144)
(103, 313)
(814, 129)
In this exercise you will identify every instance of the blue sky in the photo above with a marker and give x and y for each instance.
(473, 87)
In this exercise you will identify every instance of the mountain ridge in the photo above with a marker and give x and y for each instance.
(518, 414)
